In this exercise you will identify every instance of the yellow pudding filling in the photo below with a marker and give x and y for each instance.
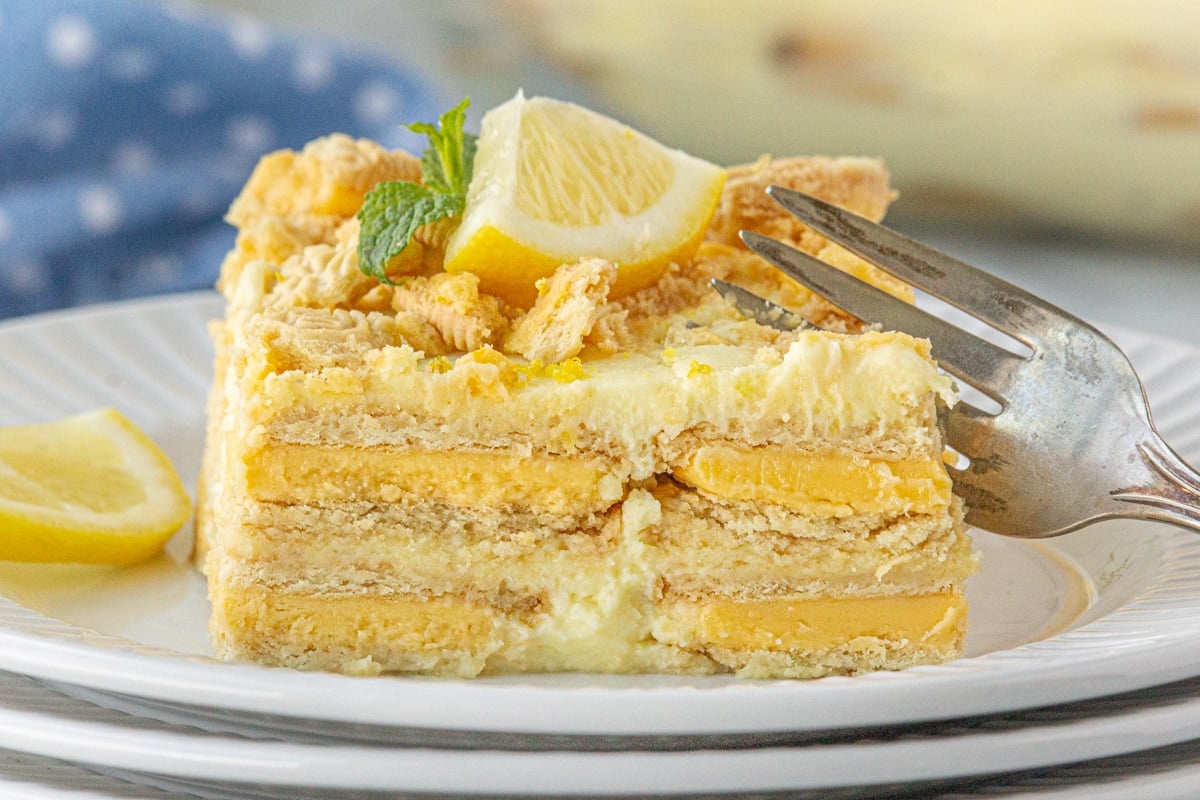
(390, 629)
(372, 625)
(815, 482)
(321, 473)
(781, 625)
(829, 483)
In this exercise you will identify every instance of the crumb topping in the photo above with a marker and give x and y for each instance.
(464, 317)
(296, 227)
(569, 303)
(296, 199)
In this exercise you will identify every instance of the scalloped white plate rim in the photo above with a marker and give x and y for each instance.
(74, 731)
(1149, 637)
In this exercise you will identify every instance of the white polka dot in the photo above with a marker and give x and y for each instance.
(182, 11)
(186, 99)
(312, 70)
(132, 64)
(5, 227)
(99, 209)
(54, 127)
(70, 41)
(249, 134)
(249, 38)
(377, 102)
(133, 158)
(159, 267)
(26, 277)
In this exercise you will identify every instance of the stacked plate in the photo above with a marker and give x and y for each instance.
(1082, 677)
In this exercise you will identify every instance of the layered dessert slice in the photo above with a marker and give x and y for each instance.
(421, 476)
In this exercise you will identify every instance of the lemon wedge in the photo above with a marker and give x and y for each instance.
(554, 182)
(91, 488)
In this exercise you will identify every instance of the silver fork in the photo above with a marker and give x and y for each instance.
(1073, 442)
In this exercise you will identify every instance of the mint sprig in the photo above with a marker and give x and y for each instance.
(392, 212)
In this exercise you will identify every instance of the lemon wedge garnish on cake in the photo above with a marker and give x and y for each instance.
(554, 182)
(91, 488)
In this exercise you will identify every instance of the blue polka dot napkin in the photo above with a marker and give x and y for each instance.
(127, 127)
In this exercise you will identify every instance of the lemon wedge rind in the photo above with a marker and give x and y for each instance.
(91, 488)
(555, 182)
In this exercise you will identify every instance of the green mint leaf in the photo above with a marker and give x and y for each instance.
(391, 214)
(392, 211)
(447, 162)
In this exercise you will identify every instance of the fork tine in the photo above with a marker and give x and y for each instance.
(1005, 307)
(762, 310)
(967, 428)
(976, 361)
(985, 508)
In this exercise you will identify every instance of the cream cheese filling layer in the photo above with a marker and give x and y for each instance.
(393, 551)
(823, 388)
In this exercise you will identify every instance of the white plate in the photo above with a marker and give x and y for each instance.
(34, 719)
(140, 632)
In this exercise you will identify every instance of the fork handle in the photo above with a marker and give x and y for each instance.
(1173, 491)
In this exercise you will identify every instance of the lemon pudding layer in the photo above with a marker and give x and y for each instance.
(606, 468)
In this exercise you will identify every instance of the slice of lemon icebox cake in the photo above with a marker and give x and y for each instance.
(480, 412)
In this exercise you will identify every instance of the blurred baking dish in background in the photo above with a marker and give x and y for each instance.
(1082, 116)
